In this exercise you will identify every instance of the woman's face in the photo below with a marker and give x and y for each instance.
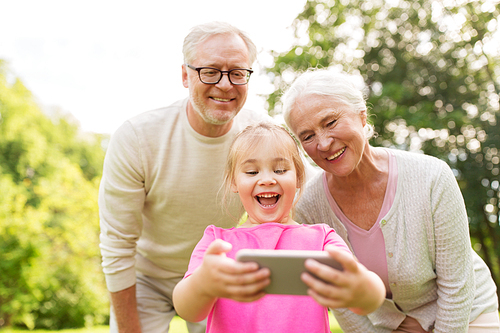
(330, 132)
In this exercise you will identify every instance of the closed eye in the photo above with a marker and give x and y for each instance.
(280, 171)
(252, 173)
(307, 137)
(331, 123)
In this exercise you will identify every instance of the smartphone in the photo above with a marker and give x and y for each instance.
(286, 267)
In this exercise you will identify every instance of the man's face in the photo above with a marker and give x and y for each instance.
(215, 105)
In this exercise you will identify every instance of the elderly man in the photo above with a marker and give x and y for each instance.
(162, 173)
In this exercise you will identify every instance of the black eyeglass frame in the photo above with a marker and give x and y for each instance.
(198, 69)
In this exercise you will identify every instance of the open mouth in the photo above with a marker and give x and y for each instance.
(268, 199)
(336, 155)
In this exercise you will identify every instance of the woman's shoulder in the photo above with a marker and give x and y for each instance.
(415, 162)
(412, 156)
(420, 171)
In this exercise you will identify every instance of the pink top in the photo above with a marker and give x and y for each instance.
(272, 313)
(369, 245)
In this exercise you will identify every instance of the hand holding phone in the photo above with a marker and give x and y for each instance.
(286, 266)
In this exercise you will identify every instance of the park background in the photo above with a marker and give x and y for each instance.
(71, 73)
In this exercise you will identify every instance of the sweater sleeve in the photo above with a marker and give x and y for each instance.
(454, 264)
(199, 251)
(353, 323)
(121, 199)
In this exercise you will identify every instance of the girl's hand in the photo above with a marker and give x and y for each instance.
(356, 288)
(225, 277)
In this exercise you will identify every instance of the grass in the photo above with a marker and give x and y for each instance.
(176, 326)
(96, 329)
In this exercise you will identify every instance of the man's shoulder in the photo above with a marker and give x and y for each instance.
(159, 115)
(153, 121)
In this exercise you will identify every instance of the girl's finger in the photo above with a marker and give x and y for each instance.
(324, 293)
(326, 273)
(346, 259)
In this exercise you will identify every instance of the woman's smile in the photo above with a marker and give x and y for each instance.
(337, 155)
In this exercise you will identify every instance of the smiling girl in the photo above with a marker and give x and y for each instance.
(265, 168)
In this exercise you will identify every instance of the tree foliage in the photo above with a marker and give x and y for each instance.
(432, 70)
(50, 272)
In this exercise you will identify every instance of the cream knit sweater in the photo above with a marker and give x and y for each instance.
(434, 274)
(159, 191)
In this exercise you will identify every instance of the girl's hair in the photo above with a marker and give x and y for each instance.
(326, 82)
(253, 136)
(201, 32)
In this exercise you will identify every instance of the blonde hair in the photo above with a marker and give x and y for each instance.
(201, 32)
(250, 138)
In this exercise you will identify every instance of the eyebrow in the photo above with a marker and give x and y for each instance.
(276, 159)
(302, 133)
(249, 161)
(218, 66)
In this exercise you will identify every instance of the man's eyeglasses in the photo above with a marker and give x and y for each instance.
(210, 75)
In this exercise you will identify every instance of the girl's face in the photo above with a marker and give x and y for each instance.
(331, 133)
(266, 181)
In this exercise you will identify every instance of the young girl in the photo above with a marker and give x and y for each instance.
(265, 168)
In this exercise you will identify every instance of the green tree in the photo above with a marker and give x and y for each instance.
(49, 226)
(432, 69)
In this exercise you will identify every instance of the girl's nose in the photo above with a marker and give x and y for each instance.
(267, 179)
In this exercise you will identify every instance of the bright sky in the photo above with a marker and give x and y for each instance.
(106, 61)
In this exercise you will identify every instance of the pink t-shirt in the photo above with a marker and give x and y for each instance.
(369, 245)
(272, 313)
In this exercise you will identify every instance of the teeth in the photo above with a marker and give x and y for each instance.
(268, 199)
(267, 195)
(336, 154)
(221, 99)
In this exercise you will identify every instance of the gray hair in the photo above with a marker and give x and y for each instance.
(201, 32)
(324, 82)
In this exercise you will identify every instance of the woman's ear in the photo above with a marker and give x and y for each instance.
(363, 116)
(234, 188)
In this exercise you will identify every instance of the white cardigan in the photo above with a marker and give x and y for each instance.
(434, 274)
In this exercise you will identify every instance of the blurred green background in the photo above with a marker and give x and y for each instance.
(432, 70)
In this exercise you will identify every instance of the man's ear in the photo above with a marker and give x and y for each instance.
(185, 77)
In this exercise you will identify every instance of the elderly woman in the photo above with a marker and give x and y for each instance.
(401, 213)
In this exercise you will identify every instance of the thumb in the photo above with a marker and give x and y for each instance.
(219, 246)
